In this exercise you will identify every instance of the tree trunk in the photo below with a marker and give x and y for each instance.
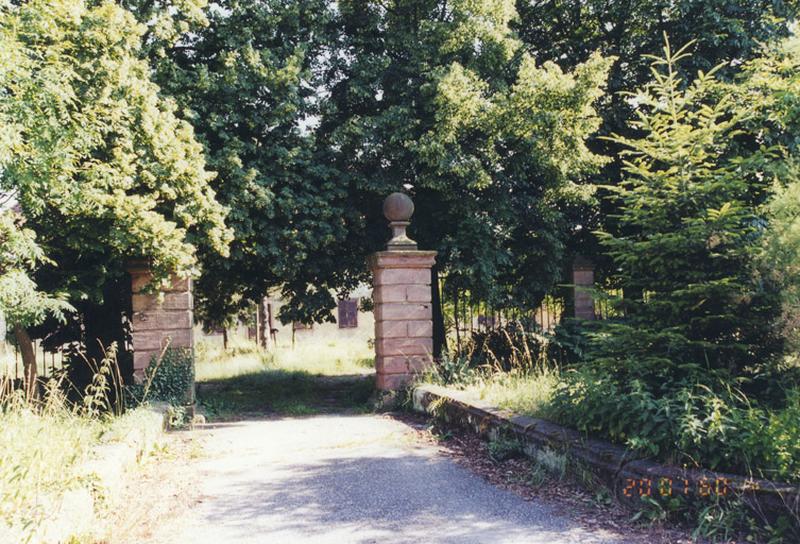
(225, 338)
(28, 360)
(439, 336)
(271, 325)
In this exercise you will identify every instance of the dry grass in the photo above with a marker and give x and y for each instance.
(523, 393)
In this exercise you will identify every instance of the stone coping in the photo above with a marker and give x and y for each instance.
(628, 474)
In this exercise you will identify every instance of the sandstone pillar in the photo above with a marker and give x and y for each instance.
(402, 297)
(583, 282)
(159, 319)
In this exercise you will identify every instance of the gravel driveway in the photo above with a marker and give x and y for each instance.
(351, 479)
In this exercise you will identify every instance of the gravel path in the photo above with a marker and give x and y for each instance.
(351, 479)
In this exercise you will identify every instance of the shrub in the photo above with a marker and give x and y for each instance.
(694, 425)
(169, 378)
(517, 345)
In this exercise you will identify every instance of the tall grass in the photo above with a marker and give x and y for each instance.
(507, 368)
(325, 356)
(41, 447)
(46, 442)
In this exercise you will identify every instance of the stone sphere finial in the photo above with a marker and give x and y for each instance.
(398, 209)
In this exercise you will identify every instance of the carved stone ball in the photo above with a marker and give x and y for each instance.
(398, 207)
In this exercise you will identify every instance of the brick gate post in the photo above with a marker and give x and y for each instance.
(159, 319)
(402, 296)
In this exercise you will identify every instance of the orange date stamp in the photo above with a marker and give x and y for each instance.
(669, 487)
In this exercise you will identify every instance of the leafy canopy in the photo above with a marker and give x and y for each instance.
(442, 99)
(312, 115)
(99, 163)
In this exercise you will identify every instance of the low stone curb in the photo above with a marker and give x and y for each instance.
(627, 474)
(75, 513)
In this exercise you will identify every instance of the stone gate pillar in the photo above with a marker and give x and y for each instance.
(402, 297)
(583, 281)
(159, 319)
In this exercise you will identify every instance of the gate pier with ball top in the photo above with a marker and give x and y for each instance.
(402, 296)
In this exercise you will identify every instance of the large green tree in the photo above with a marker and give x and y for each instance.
(440, 97)
(568, 31)
(100, 165)
(250, 82)
(311, 115)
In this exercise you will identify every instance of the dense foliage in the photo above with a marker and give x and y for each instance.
(443, 99)
(100, 165)
(693, 372)
(247, 82)
(169, 377)
(312, 115)
(21, 302)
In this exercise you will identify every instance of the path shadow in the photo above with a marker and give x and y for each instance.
(274, 392)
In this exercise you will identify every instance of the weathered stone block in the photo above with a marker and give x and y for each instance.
(389, 293)
(147, 341)
(169, 301)
(404, 311)
(178, 301)
(391, 329)
(180, 338)
(418, 293)
(162, 320)
(402, 259)
(583, 277)
(422, 328)
(404, 346)
(142, 358)
(144, 303)
(397, 364)
(402, 276)
(388, 382)
(139, 280)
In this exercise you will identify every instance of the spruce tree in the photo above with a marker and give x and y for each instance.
(690, 207)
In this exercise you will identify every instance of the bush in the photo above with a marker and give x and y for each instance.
(694, 425)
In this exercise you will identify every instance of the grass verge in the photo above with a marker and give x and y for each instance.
(43, 455)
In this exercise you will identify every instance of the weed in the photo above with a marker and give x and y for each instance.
(554, 462)
(502, 448)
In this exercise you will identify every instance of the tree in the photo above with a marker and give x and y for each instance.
(21, 302)
(690, 205)
(249, 82)
(769, 87)
(312, 116)
(567, 32)
(101, 167)
(440, 98)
